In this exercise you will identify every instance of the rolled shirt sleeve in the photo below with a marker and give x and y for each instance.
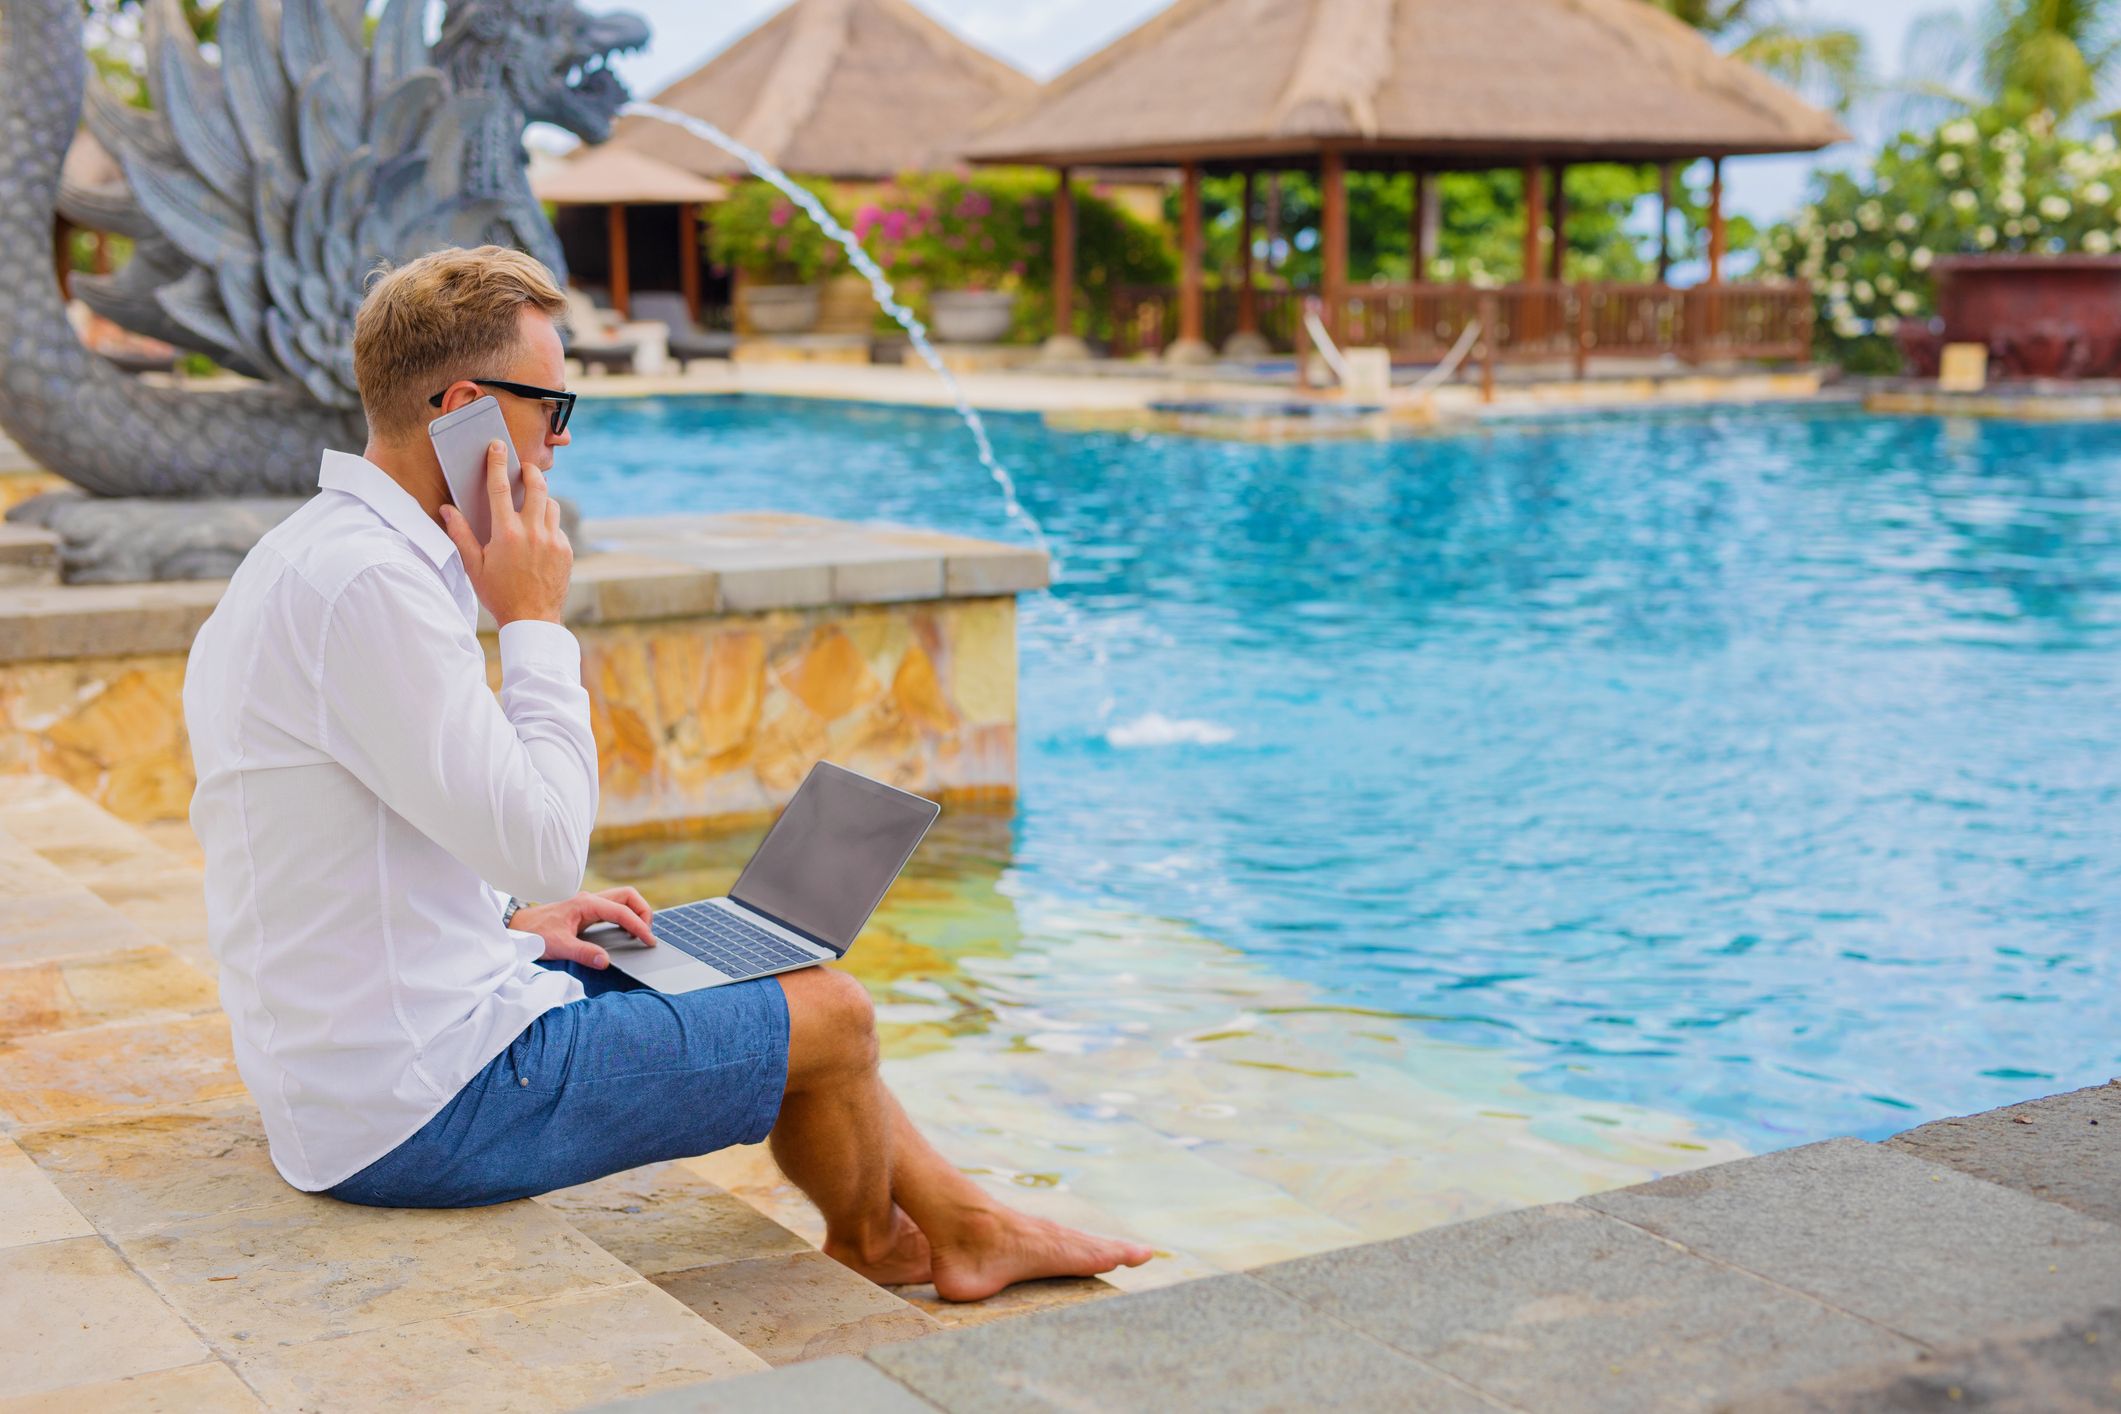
(507, 785)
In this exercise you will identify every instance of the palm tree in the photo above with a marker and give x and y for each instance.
(1828, 64)
(2043, 60)
(2049, 56)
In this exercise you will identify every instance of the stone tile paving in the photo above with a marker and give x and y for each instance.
(152, 1258)
(2057, 1149)
(1886, 1236)
(2072, 1370)
(1838, 1276)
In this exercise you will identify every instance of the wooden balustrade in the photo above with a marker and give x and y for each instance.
(1532, 323)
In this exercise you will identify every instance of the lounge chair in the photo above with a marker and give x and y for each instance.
(688, 340)
(594, 338)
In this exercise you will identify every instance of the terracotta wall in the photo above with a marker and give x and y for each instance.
(694, 718)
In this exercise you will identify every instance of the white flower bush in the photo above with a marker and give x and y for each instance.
(1868, 241)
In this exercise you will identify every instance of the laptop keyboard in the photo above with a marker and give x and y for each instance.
(724, 941)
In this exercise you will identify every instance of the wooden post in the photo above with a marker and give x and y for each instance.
(1427, 234)
(689, 257)
(1664, 222)
(1557, 256)
(1535, 220)
(1273, 222)
(621, 283)
(1583, 329)
(62, 256)
(1064, 255)
(1191, 278)
(1333, 238)
(1417, 234)
(1303, 346)
(1490, 343)
(1247, 294)
(1716, 230)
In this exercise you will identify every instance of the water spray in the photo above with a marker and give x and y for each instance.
(887, 299)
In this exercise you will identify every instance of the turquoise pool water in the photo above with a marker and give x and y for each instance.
(1760, 767)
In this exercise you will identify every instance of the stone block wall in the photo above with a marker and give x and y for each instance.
(703, 709)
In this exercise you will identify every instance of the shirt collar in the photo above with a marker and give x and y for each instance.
(375, 488)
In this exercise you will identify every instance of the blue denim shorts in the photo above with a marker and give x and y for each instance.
(624, 1077)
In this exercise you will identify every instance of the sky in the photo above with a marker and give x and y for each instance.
(1044, 37)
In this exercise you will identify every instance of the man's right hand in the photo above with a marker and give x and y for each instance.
(522, 572)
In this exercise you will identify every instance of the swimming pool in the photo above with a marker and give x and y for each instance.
(1755, 768)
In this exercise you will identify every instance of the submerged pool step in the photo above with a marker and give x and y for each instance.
(735, 1268)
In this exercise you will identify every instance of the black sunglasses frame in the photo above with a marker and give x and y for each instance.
(559, 403)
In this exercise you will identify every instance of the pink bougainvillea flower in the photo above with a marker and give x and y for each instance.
(783, 213)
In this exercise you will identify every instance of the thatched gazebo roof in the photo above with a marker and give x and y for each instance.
(1407, 83)
(611, 176)
(854, 90)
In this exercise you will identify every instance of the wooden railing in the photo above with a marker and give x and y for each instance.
(1524, 323)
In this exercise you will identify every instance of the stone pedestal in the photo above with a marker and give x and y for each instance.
(1064, 348)
(139, 540)
(1189, 353)
(122, 540)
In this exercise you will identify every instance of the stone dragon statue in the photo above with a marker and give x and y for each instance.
(259, 193)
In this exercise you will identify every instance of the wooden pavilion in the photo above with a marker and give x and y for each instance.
(853, 91)
(1422, 87)
(848, 90)
(615, 182)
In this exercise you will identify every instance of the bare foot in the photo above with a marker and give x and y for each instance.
(904, 1261)
(1001, 1247)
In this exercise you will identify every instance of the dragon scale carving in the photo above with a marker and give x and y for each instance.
(259, 192)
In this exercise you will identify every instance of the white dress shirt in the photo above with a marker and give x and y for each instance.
(359, 788)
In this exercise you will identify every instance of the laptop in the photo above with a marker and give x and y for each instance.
(820, 872)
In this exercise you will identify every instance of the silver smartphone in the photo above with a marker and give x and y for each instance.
(461, 439)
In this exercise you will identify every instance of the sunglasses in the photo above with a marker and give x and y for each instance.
(558, 403)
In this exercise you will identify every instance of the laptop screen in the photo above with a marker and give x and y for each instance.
(831, 857)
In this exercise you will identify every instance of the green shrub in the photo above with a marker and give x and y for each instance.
(993, 230)
(762, 235)
(1976, 185)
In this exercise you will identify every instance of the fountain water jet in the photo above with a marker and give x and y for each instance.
(887, 299)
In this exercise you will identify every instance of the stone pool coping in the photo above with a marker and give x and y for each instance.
(1973, 1261)
(629, 570)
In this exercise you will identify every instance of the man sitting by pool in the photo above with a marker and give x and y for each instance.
(414, 1038)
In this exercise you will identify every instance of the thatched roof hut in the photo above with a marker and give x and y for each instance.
(1419, 86)
(853, 90)
(1433, 83)
(610, 176)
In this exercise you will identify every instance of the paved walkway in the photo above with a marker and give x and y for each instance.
(1972, 1263)
(1108, 389)
(150, 1257)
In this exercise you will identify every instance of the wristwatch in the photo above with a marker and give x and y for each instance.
(508, 914)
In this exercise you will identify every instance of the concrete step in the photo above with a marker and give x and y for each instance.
(738, 1270)
(151, 1254)
(28, 556)
(124, 1125)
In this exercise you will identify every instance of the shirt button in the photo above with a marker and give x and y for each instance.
(524, 1081)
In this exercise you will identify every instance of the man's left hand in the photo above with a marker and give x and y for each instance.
(561, 924)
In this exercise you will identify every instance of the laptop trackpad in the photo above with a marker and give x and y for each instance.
(661, 966)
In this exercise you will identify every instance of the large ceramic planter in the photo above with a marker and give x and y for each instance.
(2040, 316)
(781, 309)
(972, 316)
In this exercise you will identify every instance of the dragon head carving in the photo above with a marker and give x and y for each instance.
(267, 182)
(550, 58)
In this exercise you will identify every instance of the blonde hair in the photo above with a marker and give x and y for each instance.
(450, 315)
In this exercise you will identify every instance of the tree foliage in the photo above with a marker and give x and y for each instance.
(1481, 240)
(1979, 184)
(1826, 63)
